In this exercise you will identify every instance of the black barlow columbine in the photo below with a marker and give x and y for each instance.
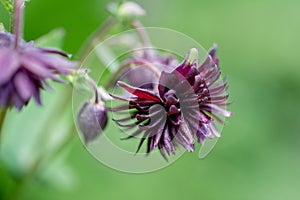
(186, 102)
(24, 69)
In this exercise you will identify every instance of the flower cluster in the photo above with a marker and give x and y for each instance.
(25, 70)
(186, 102)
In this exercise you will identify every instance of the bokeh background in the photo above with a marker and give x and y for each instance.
(258, 154)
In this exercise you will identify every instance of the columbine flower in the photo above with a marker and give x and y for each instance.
(187, 102)
(25, 70)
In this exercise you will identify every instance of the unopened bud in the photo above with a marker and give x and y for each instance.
(126, 11)
(92, 119)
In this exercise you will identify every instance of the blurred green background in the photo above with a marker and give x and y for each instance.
(258, 155)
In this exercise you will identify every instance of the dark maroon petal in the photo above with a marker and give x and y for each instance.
(166, 81)
(167, 141)
(218, 99)
(134, 134)
(185, 137)
(191, 59)
(162, 151)
(207, 65)
(145, 135)
(122, 98)
(213, 53)
(140, 93)
(213, 79)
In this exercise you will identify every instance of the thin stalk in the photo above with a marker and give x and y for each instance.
(3, 112)
(95, 87)
(128, 64)
(18, 21)
(140, 29)
(96, 37)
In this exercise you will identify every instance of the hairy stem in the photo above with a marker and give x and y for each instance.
(18, 21)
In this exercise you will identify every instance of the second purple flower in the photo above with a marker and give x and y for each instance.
(187, 102)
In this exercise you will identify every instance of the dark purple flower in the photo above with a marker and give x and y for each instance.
(187, 102)
(92, 119)
(25, 69)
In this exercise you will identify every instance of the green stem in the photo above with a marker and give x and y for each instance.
(96, 37)
(95, 87)
(3, 112)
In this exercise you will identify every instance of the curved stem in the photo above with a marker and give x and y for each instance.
(97, 36)
(140, 29)
(18, 21)
(95, 87)
(128, 64)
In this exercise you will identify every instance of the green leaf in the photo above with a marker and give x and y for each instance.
(53, 39)
(35, 132)
(57, 174)
(8, 5)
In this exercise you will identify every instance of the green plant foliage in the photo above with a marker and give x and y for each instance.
(8, 5)
(54, 39)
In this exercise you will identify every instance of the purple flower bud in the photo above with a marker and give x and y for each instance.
(92, 120)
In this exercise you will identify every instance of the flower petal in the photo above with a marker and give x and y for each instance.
(140, 93)
(24, 86)
(9, 64)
